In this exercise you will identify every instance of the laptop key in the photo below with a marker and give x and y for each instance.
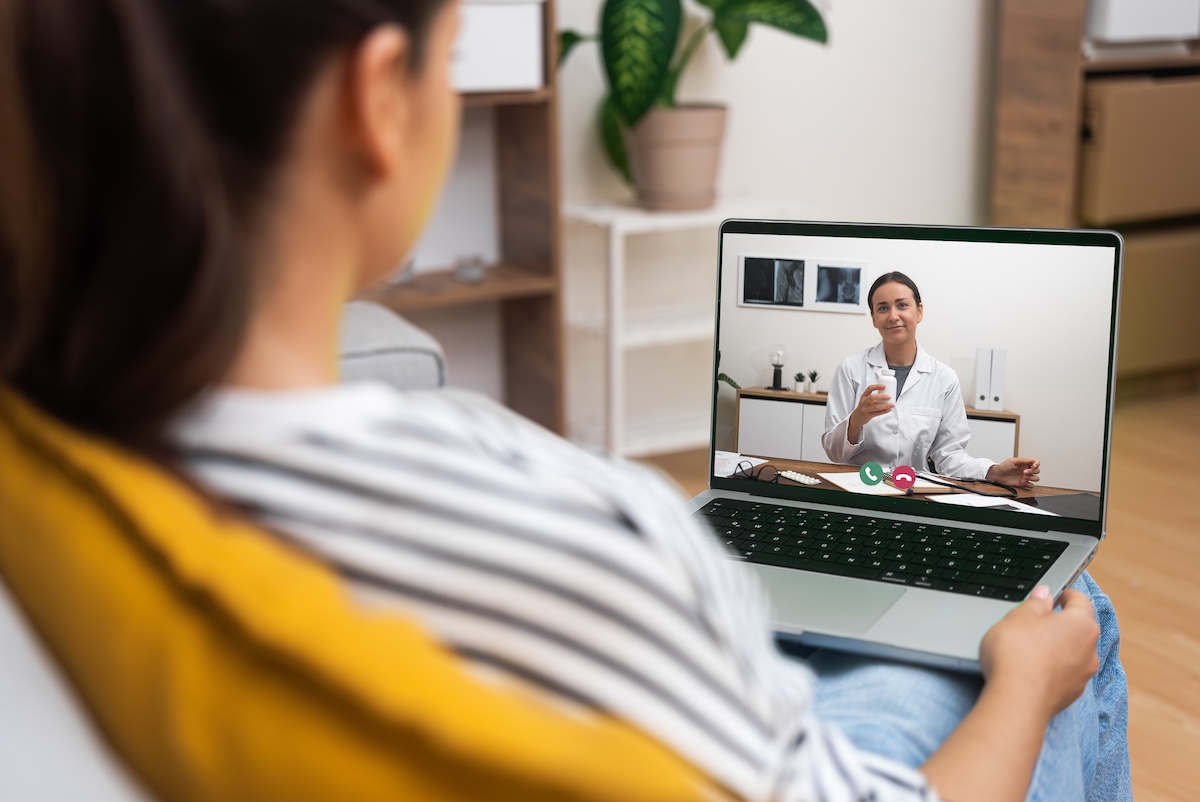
(817, 566)
(1007, 583)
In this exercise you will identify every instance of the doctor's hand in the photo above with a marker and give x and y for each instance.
(871, 405)
(1015, 472)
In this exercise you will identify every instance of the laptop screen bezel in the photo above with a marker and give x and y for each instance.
(890, 504)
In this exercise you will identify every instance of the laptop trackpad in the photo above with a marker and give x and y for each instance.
(824, 603)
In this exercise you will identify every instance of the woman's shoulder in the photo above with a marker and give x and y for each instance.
(856, 362)
(265, 418)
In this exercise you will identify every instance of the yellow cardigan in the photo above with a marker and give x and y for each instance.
(222, 665)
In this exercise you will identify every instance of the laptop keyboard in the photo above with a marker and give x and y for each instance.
(923, 555)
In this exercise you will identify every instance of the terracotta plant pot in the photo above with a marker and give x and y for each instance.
(673, 156)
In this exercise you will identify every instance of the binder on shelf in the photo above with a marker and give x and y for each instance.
(983, 378)
(999, 368)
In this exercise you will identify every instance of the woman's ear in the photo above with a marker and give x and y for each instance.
(377, 97)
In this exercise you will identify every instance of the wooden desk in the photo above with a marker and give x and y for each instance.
(814, 469)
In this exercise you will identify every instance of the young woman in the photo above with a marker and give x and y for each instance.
(193, 190)
(930, 420)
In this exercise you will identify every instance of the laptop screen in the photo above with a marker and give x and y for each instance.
(1002, 343)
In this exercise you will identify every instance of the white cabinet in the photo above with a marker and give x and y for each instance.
(789, 428)
(787, 425)
(992, 438)
(499, 46)
(1143, 20)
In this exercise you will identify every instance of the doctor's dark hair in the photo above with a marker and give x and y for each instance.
(139, 140)
(888, 278)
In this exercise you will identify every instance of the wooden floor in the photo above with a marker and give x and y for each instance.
(1150, 567)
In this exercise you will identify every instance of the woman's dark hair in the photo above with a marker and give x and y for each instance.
(138, 141)
(888, 278)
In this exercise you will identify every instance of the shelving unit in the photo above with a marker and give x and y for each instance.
(1044, 136)
(656, 326)
(526, 279)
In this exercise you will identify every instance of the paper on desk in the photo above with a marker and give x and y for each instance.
(851, 481)
(990, 502)
(726, 462)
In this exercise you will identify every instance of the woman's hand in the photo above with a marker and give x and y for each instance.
(1036, 663)
(871, 405)
(1046, 655)
(1015, 472)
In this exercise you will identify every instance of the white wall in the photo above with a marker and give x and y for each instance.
(1052, 321)
(889, 122)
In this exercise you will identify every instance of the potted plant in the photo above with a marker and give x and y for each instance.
(668, 150)
(801, 378)
(813, 376)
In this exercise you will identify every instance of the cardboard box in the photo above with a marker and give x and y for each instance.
(500, 46)
(1140, 158)
(1158, 301)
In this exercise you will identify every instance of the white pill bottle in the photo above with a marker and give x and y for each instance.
(887, 377)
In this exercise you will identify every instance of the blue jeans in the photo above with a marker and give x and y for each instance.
(905, 712)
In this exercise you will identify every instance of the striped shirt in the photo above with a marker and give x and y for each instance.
(540, 564)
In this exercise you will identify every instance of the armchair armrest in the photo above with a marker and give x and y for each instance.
(379, 344)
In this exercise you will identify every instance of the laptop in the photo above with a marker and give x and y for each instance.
(1024, 320)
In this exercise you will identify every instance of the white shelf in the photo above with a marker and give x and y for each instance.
(666, 435)
(646, 327)
(630, 219)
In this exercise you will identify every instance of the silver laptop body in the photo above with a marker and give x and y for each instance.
(1046, 301)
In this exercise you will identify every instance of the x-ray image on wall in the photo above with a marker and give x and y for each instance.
(777, 282)
(839, 285)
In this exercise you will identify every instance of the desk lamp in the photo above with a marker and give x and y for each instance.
(777, 356)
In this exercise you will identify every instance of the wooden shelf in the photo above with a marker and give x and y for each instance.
(991, 414)
(487, 99)
(439, 289)
(783, 395)
(1118, 64)
(524, 280)
(1044, 68)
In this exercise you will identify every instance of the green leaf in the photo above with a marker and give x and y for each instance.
(725, 378)
(614, 142)
(638, 38)
(567, 41)
(794, 16)
(732, 33)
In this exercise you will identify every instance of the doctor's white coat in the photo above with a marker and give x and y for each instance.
(929, 419)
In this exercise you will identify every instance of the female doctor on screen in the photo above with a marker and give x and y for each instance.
(927, 419)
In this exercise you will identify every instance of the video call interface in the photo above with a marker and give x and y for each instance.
(1034, 319)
